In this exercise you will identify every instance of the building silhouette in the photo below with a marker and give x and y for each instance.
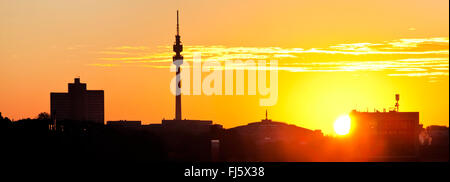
(124, 123)
(436, 149)
(78, 104)
(387, 135)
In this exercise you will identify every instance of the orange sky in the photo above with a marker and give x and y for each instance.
(334, 56)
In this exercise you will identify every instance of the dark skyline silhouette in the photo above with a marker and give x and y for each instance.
(75, 130)
(378, 136)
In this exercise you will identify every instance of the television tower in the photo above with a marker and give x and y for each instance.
(178, 61)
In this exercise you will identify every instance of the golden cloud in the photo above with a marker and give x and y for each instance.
(411, 57)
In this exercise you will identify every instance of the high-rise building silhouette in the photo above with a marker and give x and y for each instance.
(391, 134)
(78, 104)
(178, 61)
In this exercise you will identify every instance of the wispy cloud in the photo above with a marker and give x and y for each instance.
(131, 48)
(104, 65)
(403, 57)
(421, 74)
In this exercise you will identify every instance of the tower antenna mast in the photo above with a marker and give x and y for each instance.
(178, 27)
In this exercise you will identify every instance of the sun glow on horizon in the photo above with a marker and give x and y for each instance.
(342, 125)
(360, 64)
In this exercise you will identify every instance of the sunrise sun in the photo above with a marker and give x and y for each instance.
(342, 125)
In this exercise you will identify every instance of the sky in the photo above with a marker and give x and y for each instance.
(333, 56)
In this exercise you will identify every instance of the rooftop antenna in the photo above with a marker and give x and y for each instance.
(266, 114)
(397, 98)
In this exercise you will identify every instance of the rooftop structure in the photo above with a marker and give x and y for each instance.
(78, 104)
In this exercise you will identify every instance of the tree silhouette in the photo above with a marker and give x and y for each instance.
(43, 116)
